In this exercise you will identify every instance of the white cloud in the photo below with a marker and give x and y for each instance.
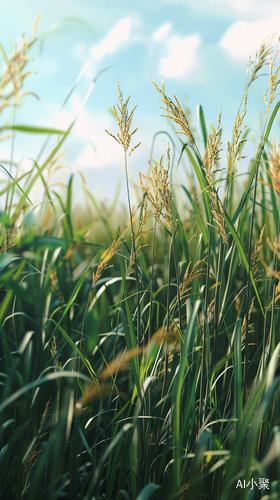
(161, 32)
(243, 38)
(181, 58)
(254, 8)
(250, 10)
(116, 37)
(107, 154)
(103, 151)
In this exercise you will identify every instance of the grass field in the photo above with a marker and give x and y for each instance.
(140, 359)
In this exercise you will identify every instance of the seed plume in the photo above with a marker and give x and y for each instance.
(12, 81)
(212, 157)
(273, 82)
(175, 112)
(144, 217)
(107, 256)
(191, 275)
(158, 190)
(124, 120)
(261, 59)
(256, 251)
(234, 147)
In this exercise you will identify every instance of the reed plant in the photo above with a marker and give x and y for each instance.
(143, 362)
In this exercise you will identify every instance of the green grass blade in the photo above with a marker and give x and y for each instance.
(15, 183)
(243, 256)
(40, 381)
(198, 215)
(237, 374)
(147, 491)
(30, 129)
(201, 121)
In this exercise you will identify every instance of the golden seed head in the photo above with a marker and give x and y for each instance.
(107, 256)
(274, 166)
(124, 135)
(12, 81)
(257, 248)
(158, 190)
(175, 112)
(234, 147)
(261, 59)
(191, 275)
(273, 82)
(212, 150)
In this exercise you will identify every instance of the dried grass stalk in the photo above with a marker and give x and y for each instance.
(244, 326)
(261, 59)
(134, 254)
(11, 83)
(190, 276)
(158, 191)
(234, 147)
(107, 256)
(255, 259)
(175, 112)
(124, 120)
(273, 82)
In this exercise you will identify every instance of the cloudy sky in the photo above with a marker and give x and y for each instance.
(200, 48)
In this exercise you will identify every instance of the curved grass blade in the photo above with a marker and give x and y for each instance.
(201, 121)
(40, 381)
(237, 374)
(148, 491)
(77, 350)
(200, 177)
(243, 256)
(15, 183)
(54, 29)
(2, 50)
(74, 294)
(198, 215)
(41, 169)
(256, 163)
(176, 396)
(30, 129)
(10, 293)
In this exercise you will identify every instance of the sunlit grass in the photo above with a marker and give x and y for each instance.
(139, 359)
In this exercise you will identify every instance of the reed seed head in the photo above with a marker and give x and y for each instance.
(191, 275)
(158, 190)
(123, 137)
(261, 59)
(256, 251)
(273, 82)
(244, 326)
(211, 156)
(134, 254)
(175, 112)
(12, 81)
(234, 147)
(107, 256)
(274, 166)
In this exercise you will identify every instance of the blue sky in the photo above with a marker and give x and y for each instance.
(200, 48)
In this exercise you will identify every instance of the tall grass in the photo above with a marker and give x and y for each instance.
(143, 363)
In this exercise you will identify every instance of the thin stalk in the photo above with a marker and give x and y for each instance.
(133, 247)
(205, 341)
(167, 321)
(152, 282)
(245, 372)
(177, 282)
(271, 338)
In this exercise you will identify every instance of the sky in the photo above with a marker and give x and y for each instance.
(199, 48)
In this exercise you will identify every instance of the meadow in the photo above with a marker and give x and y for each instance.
(139, 358)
